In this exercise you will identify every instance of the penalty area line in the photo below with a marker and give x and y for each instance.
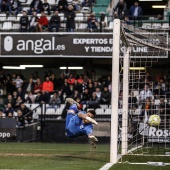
(106, 166)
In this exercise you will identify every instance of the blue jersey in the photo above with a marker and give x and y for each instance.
(76, 127)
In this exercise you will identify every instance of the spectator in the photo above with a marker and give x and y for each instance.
(5, 5)
(146, 92)
(105, 96)
(60, 95)
(15, 6)
(71, 79)
(76, 95)
(84, 85)
(135, 11)
(91, 89)
(46, 7)
(36, 5)
(86, 3)
(27, 113)
(94, 102)
(20, 119)
(29, 86)
(38, 86)
(30, 98)
(54, 101)
(92, 23)
(75, 5)
(9, 86)
(77, 86)
(38, 98)
(45, 97)
(65, 86)
(158, 92)
(62, 6)
(14, 76)
(42, 23)
(103, 21)
(8, 110)
(10, 115)
(54, 80)
(18, 102)
(18, 82)
(54, 22)
(80, 79)
(70, 15)
(70, 91)
(85, 96)
(14, 96)
(21, 93)
(2, 114)
(9, 100)
(98, 92)
(162, 83)
(97, 84)
(121, 9)
(24, 22)
(48, 85)
(60, 81)
(33, 22)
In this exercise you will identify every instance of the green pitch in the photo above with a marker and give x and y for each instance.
(43, 156)
(55, 156)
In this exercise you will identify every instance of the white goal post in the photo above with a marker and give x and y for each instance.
(138, 139)
(115, 92)
(115, 95)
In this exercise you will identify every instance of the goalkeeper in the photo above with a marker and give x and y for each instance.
(79, 123)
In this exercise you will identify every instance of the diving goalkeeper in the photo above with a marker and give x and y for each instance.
(79, 123)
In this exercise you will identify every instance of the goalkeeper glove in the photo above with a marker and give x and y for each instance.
(93, 138)
(91, 120)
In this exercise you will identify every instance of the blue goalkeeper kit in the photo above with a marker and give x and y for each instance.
(75, 125)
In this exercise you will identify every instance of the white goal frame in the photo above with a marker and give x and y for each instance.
(115, 154)
(115, 95)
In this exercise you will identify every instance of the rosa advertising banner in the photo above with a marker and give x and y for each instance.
(154, 134)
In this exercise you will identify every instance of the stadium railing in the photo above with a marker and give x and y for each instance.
(11, 23)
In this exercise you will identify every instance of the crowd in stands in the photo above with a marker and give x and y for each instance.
(85, 88)
(53, 91)
(43, 16)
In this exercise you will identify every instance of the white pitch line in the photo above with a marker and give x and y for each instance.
(29, 149)
(13, 169)
(106, 166)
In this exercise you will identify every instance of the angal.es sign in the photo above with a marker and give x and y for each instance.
(69, 45)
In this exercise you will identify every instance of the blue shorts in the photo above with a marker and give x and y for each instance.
(68, 133)
(73, 110)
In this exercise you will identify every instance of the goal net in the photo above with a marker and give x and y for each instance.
(144, 103)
